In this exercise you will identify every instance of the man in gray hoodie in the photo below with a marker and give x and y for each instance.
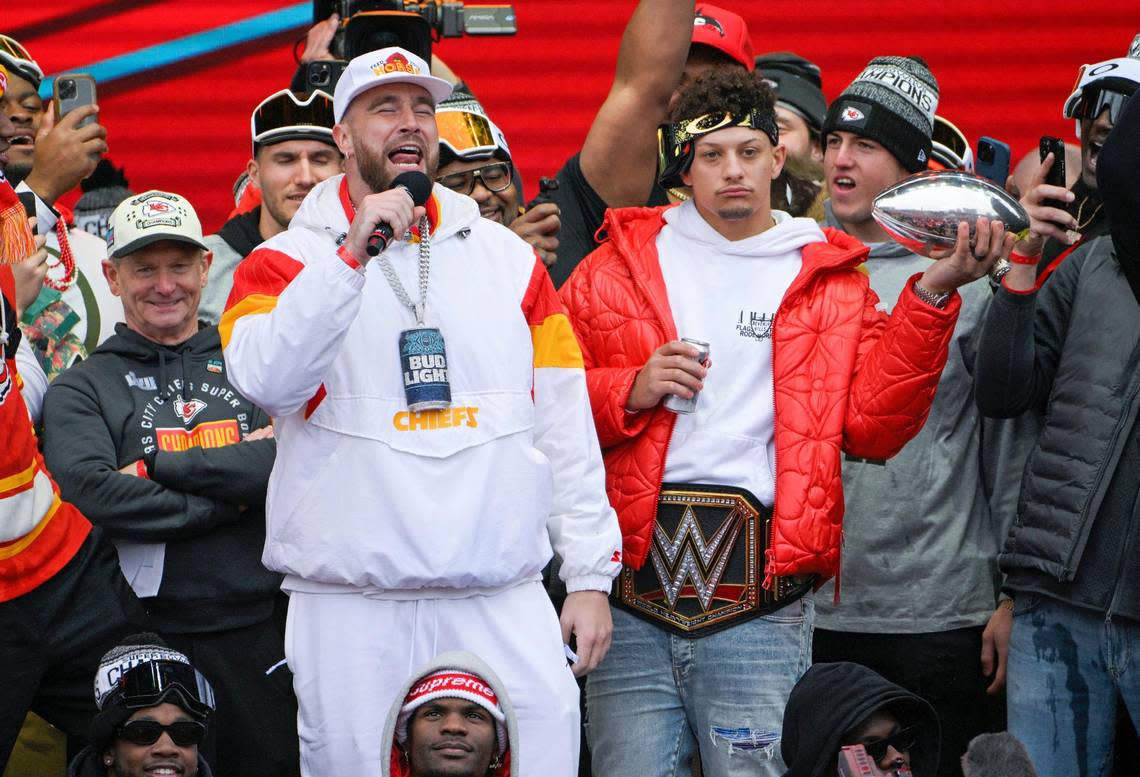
(920, 549)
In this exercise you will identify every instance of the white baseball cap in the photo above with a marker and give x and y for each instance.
(149, 217)
(392, 65)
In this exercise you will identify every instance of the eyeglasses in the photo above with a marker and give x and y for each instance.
(150, 683)
(184, 733)
(495, 177)
(287, 113)
(902, 740)
(1096, 100)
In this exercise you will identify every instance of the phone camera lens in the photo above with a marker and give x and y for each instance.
(67, 89)
(322, 74)
(986, 154)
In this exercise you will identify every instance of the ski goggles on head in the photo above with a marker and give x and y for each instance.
(950, 148)
(17, 59)
(469, 135)
(289, 116)
(184, 733)
(1095, 84)
(150, 683)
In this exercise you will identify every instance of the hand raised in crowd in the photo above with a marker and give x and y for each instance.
(963, 264)
(995, 647)
(539, 226)
(319, 39)
(586, 615)
(671, 369)
(393, 207)
(66, 153)
(30, 275)
(1045, 220)
(264, 433)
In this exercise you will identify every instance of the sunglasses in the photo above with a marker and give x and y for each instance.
(902, 741)
(184, 733)
(1095, 101)
(495, 177)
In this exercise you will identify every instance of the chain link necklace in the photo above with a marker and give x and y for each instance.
(425, 267)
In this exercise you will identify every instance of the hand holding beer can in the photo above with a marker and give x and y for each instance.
(679, 404)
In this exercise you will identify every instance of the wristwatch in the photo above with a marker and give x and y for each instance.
(931, 298)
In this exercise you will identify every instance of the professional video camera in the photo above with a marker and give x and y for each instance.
(367, 25)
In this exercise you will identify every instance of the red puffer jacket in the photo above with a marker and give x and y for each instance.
(847, 378)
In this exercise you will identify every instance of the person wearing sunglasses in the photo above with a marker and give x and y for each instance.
(474, 160)
(840, 704)
(293, 151)
(1095, 106)
(154, 708)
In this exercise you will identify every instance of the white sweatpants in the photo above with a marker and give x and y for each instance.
(350, 656)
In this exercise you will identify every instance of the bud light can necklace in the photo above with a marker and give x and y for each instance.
(423, 360)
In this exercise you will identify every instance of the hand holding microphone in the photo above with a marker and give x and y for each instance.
(383, 215)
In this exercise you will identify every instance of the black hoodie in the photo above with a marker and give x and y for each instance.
(831, 700)
(205, 494)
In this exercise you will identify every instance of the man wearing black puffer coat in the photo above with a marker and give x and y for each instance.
(1071, 348)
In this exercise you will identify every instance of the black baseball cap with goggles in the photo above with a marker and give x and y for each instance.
(153, 682)
(286, 115)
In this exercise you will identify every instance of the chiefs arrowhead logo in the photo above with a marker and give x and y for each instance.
(616, 556)
(852, 114)
(187, 410)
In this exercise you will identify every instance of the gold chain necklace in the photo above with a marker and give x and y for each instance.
(1080, 210)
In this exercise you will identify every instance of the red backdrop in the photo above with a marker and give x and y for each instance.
(1004, 70)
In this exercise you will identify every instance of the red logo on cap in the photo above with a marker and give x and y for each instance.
(156, 208)
(852, 114)
(395, 63)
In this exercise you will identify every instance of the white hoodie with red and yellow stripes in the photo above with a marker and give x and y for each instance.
(367, 496)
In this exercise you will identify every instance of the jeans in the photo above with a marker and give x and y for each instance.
(659, 698)
(1068, 667)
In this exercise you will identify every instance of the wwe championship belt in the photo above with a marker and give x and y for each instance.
(706, 564)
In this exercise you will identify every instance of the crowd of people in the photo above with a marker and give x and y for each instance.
(683, 468)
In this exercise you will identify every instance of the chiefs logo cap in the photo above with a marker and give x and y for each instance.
(392, 65)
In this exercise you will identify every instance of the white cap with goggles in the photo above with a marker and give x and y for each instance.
(466, 131)
(286, 115)
(17, 60)
(1104, 86)
(392, 65)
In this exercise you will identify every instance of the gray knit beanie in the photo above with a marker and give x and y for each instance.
(891, 102)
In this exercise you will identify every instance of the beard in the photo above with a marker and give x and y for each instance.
(737, 213)
(376, 171)
(16, 172)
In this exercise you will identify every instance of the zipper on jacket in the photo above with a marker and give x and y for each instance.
(769, 583)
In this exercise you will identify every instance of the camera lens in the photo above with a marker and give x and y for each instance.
(67, 89)
(321, 74)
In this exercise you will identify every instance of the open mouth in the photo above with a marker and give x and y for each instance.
(409, 155)
(23, 139)
(842, 183)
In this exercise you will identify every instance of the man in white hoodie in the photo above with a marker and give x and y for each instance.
(404, 531)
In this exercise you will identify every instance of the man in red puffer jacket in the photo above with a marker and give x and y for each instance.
(711, 634)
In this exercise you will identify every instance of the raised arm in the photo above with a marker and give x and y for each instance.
(619, 157)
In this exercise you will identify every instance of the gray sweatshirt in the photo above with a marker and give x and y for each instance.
(920, 549)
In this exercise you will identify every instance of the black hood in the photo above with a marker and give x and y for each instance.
(831, 699)
(241, 232)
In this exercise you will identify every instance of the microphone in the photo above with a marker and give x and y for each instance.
(415, 184)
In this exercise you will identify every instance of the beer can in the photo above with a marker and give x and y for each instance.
(423, 362)
(680, 404)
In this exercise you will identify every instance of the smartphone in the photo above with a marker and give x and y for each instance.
(28, 200)
(1056, 176)
(70, 91)
(323, 74)
(993, 160)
